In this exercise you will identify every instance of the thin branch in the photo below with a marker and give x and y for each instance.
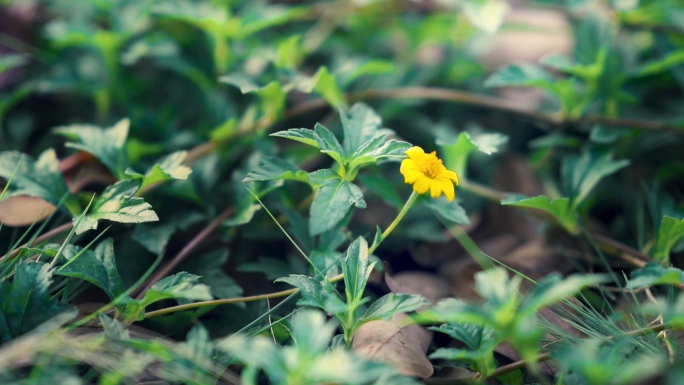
(185, 252)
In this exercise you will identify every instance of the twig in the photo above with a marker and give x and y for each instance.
(189, 247)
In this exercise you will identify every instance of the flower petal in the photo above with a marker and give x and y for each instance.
(446, 174)
(415, 153)
(448, 188)
(435, 188)
(421, 185)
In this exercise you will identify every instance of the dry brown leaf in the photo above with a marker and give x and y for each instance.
(22, 210)
(430, 286)
(386, 342)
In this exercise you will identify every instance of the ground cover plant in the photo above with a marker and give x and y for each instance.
(341, 192)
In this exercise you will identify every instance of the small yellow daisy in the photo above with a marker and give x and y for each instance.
(426, 172)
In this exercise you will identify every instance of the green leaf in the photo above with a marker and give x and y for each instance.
(240, 81)
(559, 208)
(318, 177)
(356, 269)
(520, 75)
(107, 145)
(359, 125)
(657, 66)
(26, 301)
(328, 143)
(118, 204)
(303, 135)
(555, 288)
(456, 152)
(271, 168)
(331, 204)
(670, 231)
(9, 61)
(41, 178)
(654, 274)
(382, 188)
(289, 53)
(311, 332)
(582, 174)
(178, 286)
(390, 304)
(475, 337)
(210, 267)
(316, 293)
(98, 268)
(371, 67)
(451, 212)
(167, 168)
(155, 236)
(326, 86)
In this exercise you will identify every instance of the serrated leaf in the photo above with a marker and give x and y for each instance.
(359, 125)
(178, 286)
(473, 336)
(107, 145)
(315, 293)
(382, 188)
(40, 178)
(451, 212)
(654, 274)
(390, 304)
(98, 268)
(303, 135)
(559, 208)
(670, 231)
(331, 204)
(118, 204)
(329, 144)
(271, 168)
(356, 268)
(582, 174)
(378, 149)
(155, 236)
(519, 75)
(26, 302)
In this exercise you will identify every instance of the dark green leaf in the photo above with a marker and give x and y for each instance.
(390, 304)
(356, 268)
(273, 168)
(316, 293)
(654, 274)
(331, 204)
(583, 173)
(451, 212)
(559, 208)
(303, 135)
(179, 286)
(360, 125)
(328, 143)
(98, 268)
(670, 231)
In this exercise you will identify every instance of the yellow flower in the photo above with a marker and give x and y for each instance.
(426, 172)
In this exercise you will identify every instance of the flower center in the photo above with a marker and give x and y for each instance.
(431, 165)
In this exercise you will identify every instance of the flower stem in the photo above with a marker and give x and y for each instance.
(395, 222)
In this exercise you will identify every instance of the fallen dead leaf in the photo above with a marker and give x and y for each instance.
(385, 341)
(22, 210)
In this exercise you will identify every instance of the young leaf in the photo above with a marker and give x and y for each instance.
(26, 302)
(456, 152)
(654, 274)
(272, 168)
(669, 233)
(303, 135)
(289, 53)
(377, 149)
(558, 208)
(390, 304)
(210, 267)
(356, 269)
(98, 268)
(670, 60)
(167, 168)
(331, 203)
(118, 204)
(107, 145)
(329, 144)
(583, 174)
(40, 178)
(318, 177)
